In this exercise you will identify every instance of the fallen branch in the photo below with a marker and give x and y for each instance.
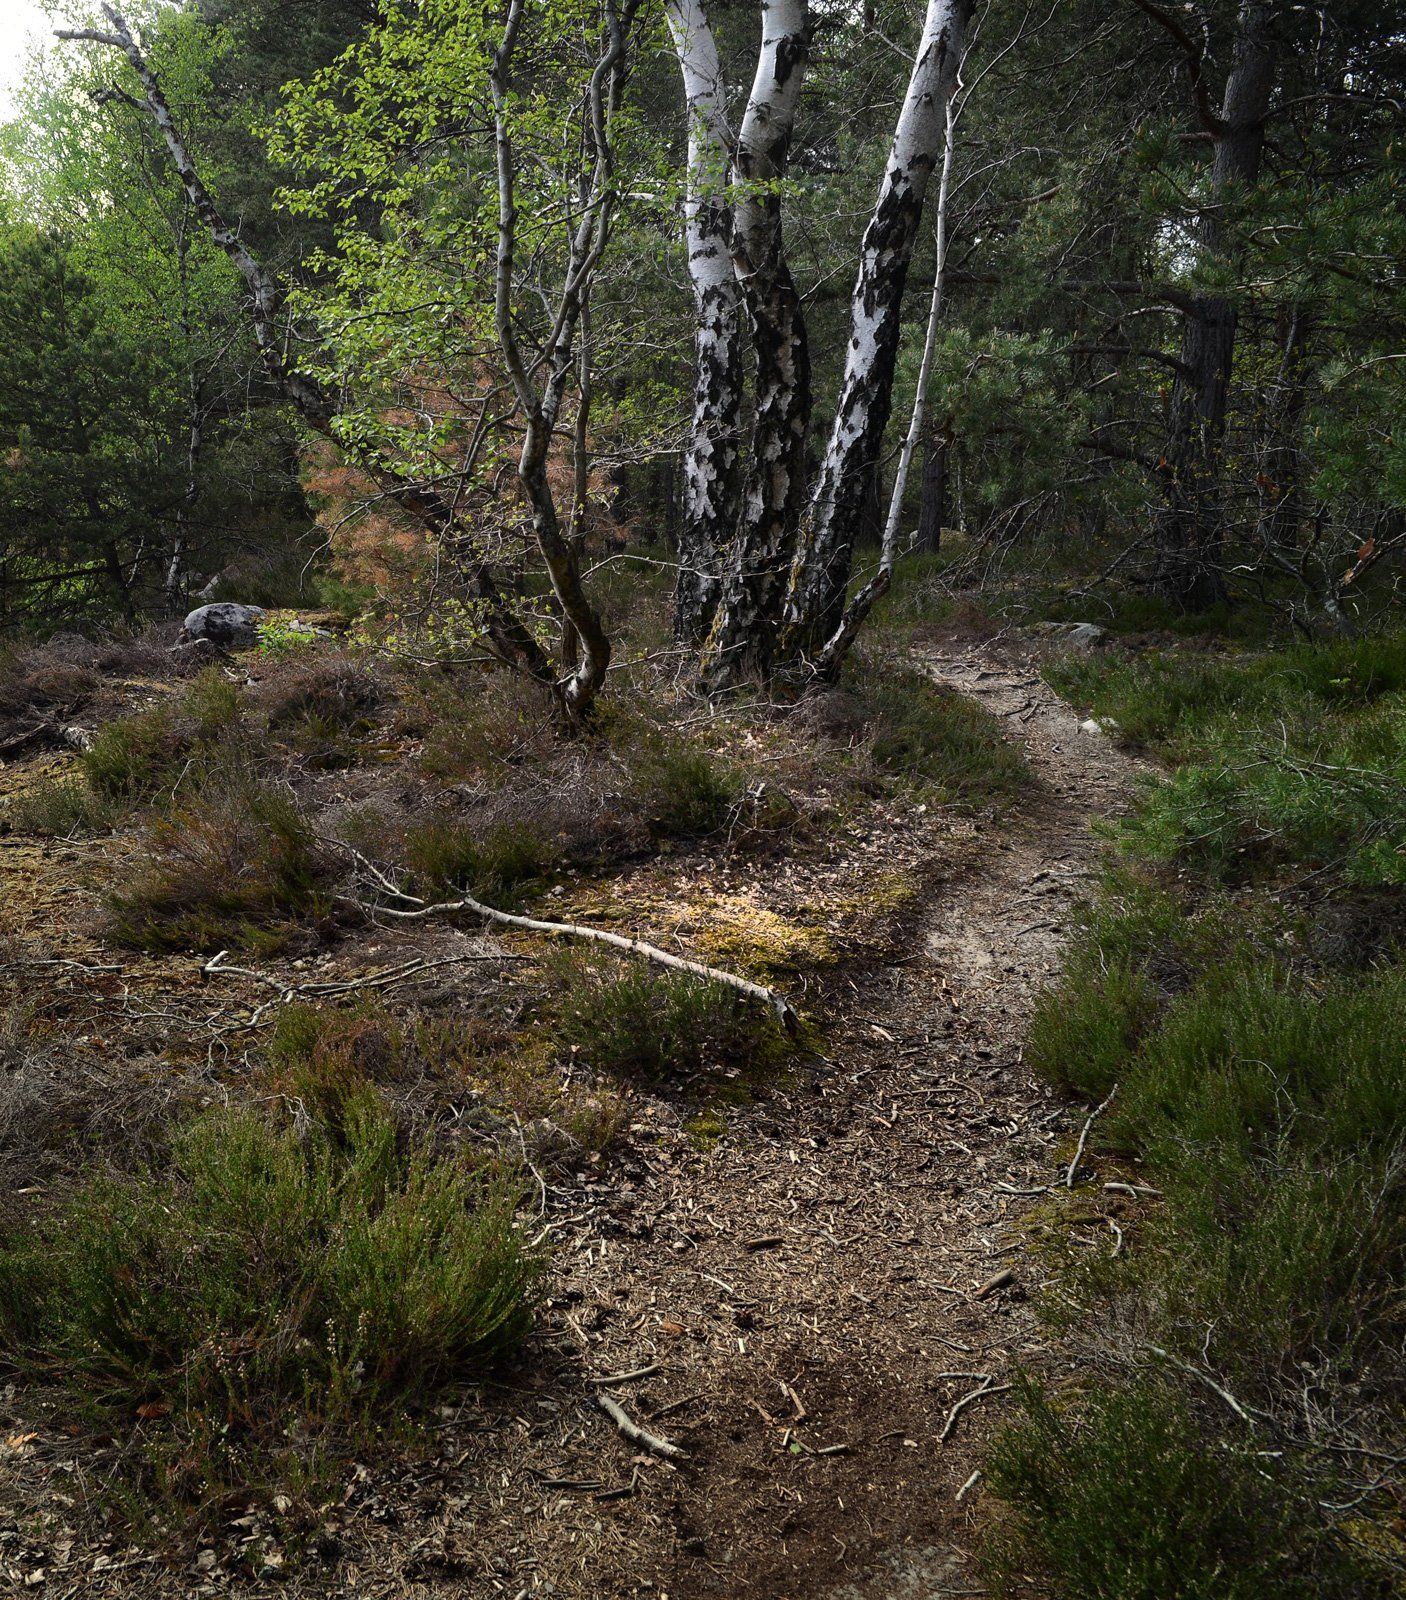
(638, 1435)
(969, 1399)
(1204, 1377)
(609, 1379)
(575, 930)
(1094, 1115)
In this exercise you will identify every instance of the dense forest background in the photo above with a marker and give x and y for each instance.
(1102, 236)
(765, 953)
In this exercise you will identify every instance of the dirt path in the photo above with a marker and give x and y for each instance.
(804, 1293)
(809, 1290)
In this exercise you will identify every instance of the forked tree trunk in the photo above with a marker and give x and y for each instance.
(820, 572)
(739, 645)
(1189, 527)
(711, 463)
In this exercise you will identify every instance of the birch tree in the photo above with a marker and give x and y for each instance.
(712, 462)
(821, 567)
(739, 645)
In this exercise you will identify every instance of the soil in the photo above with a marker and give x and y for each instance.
(814, 1297)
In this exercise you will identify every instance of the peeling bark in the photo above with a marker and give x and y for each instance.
(858, 609)
(821, 568)
(739, 646)
(711, 463)
(1188, 532)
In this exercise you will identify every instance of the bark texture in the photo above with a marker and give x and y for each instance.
(1189, 526)
(739, 645)
(821, 568)
(711, 463)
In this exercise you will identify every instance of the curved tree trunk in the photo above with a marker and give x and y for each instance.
(711, 463)
(1188, 531)
(507, 634)
(821, 568)
(740, 643)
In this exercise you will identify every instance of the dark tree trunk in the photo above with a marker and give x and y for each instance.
(1189, 529)
(932, 510)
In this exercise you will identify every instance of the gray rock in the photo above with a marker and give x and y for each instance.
(226, 624)
(1086, 636)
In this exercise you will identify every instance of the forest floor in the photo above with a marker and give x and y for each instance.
(815, 1297)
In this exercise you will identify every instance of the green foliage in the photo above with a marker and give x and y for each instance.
(265, 1284)
(138, 758)
(1122, 1498)
(495, 862)
(58, 807)
(687, 790)
(937, 739)
(235, 865)
(1295, 755)
(629, 1018)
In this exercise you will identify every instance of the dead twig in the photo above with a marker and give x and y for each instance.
(609, 1379)
(638, 1435)
(575, 930)
(986, 1388)
(1093, 1117)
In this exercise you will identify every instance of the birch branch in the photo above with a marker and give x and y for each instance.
(759, 992)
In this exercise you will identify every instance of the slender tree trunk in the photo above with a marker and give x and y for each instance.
(932, 512)
(821, 569)
(739, 645)
(711, 463)
(1282, 473)
(1189, 528)
(506, 633)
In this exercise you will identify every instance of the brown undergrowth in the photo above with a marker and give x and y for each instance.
(279, 807)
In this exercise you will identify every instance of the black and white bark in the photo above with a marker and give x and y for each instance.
(712, 462)
(1189, 526)
(739, 645)
(820, 571)
(863, 601)
(507, 634)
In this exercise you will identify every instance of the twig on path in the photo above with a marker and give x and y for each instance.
(1094, 1115)
(971, 1483)
(609, 1379)
(381, 978)
(986, 1388)
(638, 1435)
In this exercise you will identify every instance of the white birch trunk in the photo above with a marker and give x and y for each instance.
(711, 461)
(820, 571)
(740, 643)
(878, 586)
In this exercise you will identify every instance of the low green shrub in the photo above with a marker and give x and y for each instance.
(1185, 704)
(266, 1283)
(629, 1018)
(234, 866)
(1272, 1114)
(933, 737)
(496, 862)
(687, 791)
(136, 758)
(1124, 1498)
(55, 808)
